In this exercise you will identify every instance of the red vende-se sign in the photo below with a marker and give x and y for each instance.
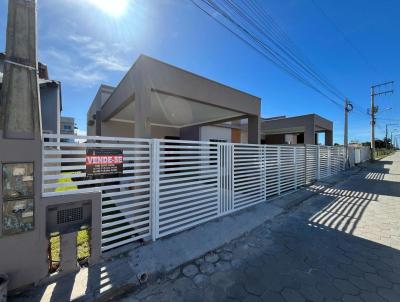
(104, 161)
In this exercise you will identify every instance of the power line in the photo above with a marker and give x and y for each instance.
(279, 53)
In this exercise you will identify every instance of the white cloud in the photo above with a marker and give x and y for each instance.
(85, 61)
(97, 52)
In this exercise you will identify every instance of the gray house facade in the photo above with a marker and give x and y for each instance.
(158, 100)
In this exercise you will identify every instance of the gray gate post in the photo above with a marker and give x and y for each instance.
(318, 163)
(154, 180)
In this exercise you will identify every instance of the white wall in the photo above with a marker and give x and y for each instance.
(214, 132)
(291, 139)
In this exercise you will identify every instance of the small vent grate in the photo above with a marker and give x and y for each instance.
(69, 215)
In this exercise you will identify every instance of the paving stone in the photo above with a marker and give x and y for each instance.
(269, 296)
(236, 263)
(364, 267)
(236, 292)
(251, 298)
(199, 261)
(371, 297)
(207, 268)
(351, 298)
(362, 283)
(311, 293)
(223, 266)
(389, 294)
(377, 280)
(190, 270)
(390, 276)
(212, 257)
(290, 295)
(328, 290)
(346, 287)
(200, 280)
(254, 285)
(336, 272)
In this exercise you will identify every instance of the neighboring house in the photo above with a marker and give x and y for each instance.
(157, 100)
(50, 98)
(277, 130)
(302, 129)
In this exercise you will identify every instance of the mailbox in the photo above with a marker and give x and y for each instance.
(18, 198)
(69, 217)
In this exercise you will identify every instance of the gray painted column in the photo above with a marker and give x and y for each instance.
(142, 112)
(328, 138)
(253, 129)
(309, 134)
(19, 103)
(99, 123)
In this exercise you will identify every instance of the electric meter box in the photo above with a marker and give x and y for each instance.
(69, 217)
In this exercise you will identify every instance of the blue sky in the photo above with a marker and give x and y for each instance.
(84, 46)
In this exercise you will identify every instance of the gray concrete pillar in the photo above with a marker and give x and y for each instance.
(329, 138)
(309, 134)
(98, 123)
(20, 104)
(253, 130)
(142, 112)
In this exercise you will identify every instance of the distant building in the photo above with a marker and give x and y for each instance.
(50, 98)
(67, 125)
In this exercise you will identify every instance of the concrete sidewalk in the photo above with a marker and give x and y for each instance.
(123, 270)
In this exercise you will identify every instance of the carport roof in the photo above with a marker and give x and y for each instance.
(178, 98)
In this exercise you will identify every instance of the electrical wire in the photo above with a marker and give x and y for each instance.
(253, 25)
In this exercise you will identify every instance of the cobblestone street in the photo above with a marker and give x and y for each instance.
(341, 245)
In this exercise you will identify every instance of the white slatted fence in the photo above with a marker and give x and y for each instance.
(167, 186)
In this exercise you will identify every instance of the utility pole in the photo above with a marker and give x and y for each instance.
(387, 134)
(386, 137)
(347, 108)
(374, 110)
